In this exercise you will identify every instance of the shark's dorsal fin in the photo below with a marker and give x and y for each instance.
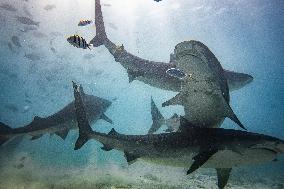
(107, 119)
(113, 132)
(130, 158)
(177, 100)
(106, 148)
(201, 158)
(223, 176)
(63, 133)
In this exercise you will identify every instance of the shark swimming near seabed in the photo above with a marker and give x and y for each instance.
(193, 147)
(200, 113)
(59, 123)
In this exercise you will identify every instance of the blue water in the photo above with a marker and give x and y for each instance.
(245, 36)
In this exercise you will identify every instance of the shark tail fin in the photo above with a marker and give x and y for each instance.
(100, 27)
(84, 127)
(157, 117)
(4, 131)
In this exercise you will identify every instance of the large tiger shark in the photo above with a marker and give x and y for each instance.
(193, 147)
(151, 72)
(205, 96)
(59, 123)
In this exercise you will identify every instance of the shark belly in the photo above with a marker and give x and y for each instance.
(222, 159)
(202, 97)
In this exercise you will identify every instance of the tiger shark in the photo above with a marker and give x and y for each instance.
(151, 72)
(192, 148)
(205, 99)
(59, 123)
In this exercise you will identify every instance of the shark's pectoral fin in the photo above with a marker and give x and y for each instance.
(132, 75)
(81, 141)
(62, 134)
(36, 137)
(223, 177)
(130, 158)
(107, 119)
(201, 158)
(106, 148)
(230, 114)
(177, 100)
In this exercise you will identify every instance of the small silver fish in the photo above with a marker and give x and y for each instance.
(32, 56)
(16, 41)
(10, 46)
(8, 7)
(84, 22)
(28, 28)
(53, 50)
(49, 7)
(27, 21)
(38, 34)
(174, 72)
(78, 42)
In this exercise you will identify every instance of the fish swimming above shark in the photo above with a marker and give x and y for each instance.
(151, 72)
(59, 123)
(207, 103)
(192, 148)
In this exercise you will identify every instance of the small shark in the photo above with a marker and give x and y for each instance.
(151, 72)
(59, 123)
(193, 147)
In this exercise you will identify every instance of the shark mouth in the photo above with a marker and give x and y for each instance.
(273, 150)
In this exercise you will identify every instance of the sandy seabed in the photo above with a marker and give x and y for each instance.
(24, 173)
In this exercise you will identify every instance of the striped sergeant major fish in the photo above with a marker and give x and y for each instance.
(78, 42)
(84, 22)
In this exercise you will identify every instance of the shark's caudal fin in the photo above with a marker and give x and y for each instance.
(4, 130)
(157, 118)
(84, 127)
(100, 27)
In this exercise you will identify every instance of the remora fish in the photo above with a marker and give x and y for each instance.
(59, 123)
(27, 21)
(194, 147)
(151, 72)
(204, 92)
